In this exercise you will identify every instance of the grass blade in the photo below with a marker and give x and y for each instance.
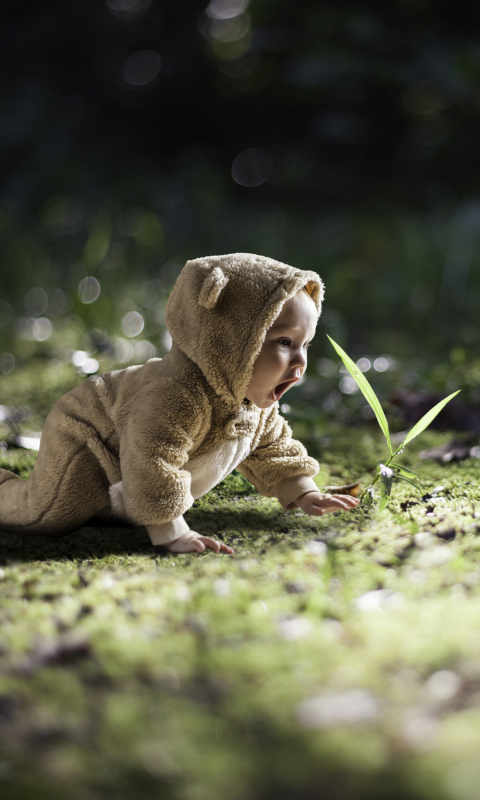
(401, 468)
(408, 480)
(427, 419)
(366, 390)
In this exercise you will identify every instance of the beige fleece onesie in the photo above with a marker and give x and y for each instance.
(143, 442)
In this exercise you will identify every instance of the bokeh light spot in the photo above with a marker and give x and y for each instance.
(230, 30)
(79, 357)
(41, 329)
(88, 290)
(123, 350)
(347, 385)
(142, 67)
(380, 364)
(364, 364)
(35, 302)
(35, 330)
(252, 167)
(132, 324)
(226, 9)
(7, 363)
(89, 366)
(144, 350)
(167, 340)
(128, 9)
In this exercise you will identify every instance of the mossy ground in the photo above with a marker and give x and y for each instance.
(334, 657)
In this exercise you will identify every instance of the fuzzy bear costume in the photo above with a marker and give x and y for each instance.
(143, 442)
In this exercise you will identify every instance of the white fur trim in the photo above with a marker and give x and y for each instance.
(210, 468)
(168, 531)
(116, 500)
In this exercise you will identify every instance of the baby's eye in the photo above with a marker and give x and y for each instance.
(285, 342)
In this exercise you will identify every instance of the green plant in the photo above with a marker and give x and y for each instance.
(389, 471)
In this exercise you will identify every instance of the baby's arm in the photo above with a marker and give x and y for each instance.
(318, 504)
(314, 503)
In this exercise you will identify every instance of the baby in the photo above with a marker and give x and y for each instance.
(142, 443)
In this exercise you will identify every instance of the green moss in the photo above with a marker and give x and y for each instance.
(128, 671)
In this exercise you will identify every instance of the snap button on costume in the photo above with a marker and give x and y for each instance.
(143, 442)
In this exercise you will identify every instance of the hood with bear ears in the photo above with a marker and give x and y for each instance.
(221, 308)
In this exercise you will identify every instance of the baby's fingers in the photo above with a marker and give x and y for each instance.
(197, 546)
(215, 545)
(346, 501)
(339, 503)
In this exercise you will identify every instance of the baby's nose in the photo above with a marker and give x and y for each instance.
(299, 359)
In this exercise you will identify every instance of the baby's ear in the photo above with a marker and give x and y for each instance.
(212, 287)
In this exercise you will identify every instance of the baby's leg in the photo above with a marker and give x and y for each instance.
(66, 487)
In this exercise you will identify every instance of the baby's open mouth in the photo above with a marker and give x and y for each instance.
(282, 388)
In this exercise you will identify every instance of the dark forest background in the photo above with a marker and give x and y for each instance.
(337, 136)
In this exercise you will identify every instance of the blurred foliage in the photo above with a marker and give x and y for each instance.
(135, 134)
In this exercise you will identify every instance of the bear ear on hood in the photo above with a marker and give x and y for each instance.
(212, 288)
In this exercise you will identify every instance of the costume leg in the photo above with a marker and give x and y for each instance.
(66, 487)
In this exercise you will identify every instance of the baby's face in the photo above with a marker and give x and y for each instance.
(283, 357)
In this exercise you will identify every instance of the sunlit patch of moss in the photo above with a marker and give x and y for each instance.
(326, 652)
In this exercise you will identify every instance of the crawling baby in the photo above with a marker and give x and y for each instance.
(142, 443)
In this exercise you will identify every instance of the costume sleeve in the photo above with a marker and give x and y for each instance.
(163, 426)
(279, 466)
(167, 532)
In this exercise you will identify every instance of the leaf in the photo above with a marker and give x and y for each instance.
(405, 474)
(383, 502)
(352, 489)
(366, 390)
(401, 468)
(426, 420)
(408, 480)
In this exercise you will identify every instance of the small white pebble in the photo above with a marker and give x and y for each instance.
(437, 490)
(182, 593)
(346, 708)
(315, 548)
(444, 684)
(420, 731)
(332, 628)
(423, 539)
(294, 628)
(378, 600)
(221, 587)
(258, 608)
(472, 578)
(107, 582)
(458, 591)
(436, 557)
(417, 577)
(247, 564)
(2, 574)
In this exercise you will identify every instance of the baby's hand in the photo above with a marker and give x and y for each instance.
(318, 504)
(192, 542)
